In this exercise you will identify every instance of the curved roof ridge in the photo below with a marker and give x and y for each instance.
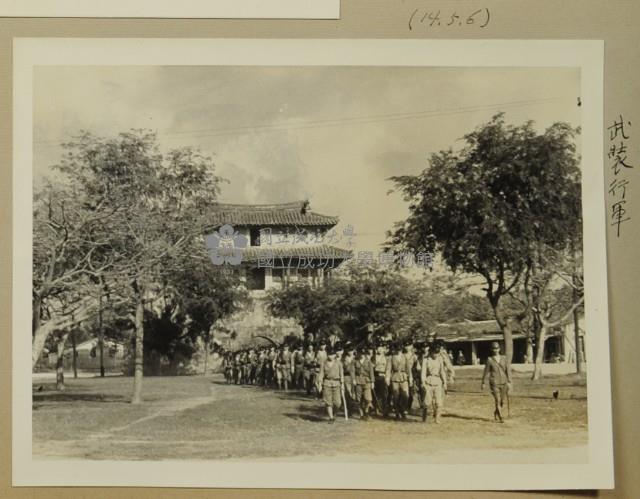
(292, 205)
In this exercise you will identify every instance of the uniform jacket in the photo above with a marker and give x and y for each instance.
(331, 372)
(362, 371)
(398, 369)
(433, 371)
(380, 362)
(496, 370)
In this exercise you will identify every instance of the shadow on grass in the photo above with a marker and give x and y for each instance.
(311, 414)
(78, 397)
(467, 418)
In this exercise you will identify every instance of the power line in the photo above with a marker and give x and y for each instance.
(355, 120)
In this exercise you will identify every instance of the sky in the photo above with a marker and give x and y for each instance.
(333, 135)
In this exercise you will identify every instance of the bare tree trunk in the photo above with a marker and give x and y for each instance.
(206, 353)
(100, 335)
(74, 362)
(507, 334)
(529, 354)
(139, 349)
(60, 362)
(576, 331)
(541, 337)
(40, 336)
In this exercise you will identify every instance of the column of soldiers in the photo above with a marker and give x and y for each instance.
(391, 378)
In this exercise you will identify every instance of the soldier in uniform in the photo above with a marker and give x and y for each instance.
(399, 377)
(271, 366)
(283, 368)
(448, 364)
(298, 367)
(411, 356)
(228, 367)
(309, 368)
(499, 379)
(380, 384)
(418, 387)
(332, 378)
(237, 366)
(347, 366)
(363, 377)
(321, 356)
(433, 377)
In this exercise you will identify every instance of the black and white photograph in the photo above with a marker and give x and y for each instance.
(289, 262)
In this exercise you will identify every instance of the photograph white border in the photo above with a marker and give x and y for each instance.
(585, 54)
(205, 9)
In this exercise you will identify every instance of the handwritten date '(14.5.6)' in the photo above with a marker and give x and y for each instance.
(479, 18)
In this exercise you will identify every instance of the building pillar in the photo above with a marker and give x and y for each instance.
(320, 277)
(474, 354)
(268, 278)
(529, 353)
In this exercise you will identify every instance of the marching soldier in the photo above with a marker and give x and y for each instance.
(499, 380)
(283, 368)
(298, 367)
(271, 366)
(347, 366)
(409, 353)
(433, 377)
(399, 377)
(321, 357)
(448, 364)
(331, 377)
(228, 367)
(309, 368)
(363, 377)
(381, 388)
(418, 388)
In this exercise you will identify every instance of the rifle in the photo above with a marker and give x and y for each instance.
(375, 399)
(344, 401)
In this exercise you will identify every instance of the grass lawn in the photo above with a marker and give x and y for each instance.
(203, 418)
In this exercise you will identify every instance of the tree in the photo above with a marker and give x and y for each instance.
(193, 299)
(356, 297)
(67, 242)
(551, 291)
(157, 206)
(489, 207)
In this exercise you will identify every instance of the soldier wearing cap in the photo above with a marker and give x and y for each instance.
(448, 364)
(298, 367)
(331, 377)
(363, 377)
(433, 377)
(349, 383)
(271, 366)
(321, 357)
(411, 356)
(283, 367)
(381, 386)
(499, 379)
(309, 368)
(399, 377)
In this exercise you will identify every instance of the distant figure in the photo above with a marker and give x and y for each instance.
(461, 360)
(499, 380)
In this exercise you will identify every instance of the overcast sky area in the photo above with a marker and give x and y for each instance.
(333, 135)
